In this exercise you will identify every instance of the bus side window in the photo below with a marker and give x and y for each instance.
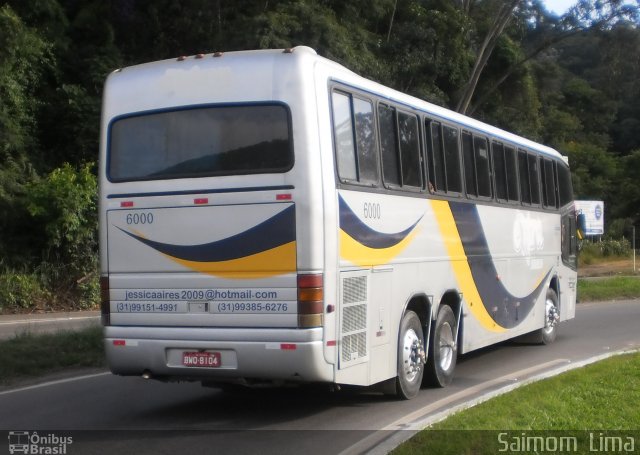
(367, 151)
(564, 184)
(499, 170)
(343, 133)
(483, 168)
(452, 159)
(511, 165)
(548, 183)
(436, 158)
(469, 164)
(409, 150)
(534, 179)
(523, 173)
(355, 141)
(390, 165)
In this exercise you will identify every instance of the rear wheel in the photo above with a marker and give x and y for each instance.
(410, 356)
(443, 349)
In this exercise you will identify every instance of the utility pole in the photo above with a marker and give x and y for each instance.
(633, 246)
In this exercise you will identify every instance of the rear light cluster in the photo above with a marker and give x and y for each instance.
(105, 310)
(310, 300)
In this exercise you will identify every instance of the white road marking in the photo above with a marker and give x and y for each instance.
(50, 383)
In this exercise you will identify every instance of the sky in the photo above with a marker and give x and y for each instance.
(559, 6)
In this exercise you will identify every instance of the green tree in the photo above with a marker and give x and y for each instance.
(594, 172)
(70, 119)
(24, 57)
(544, 30)
(64, 206)
(628, 188)
(419, 61)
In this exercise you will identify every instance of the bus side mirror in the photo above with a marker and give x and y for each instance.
(582, 225)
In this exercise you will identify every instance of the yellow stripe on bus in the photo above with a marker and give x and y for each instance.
(276, 261)
(466, 284)
(363, 256)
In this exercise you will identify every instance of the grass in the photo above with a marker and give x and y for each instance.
(613, 288)
(601, 397)
(28, 355)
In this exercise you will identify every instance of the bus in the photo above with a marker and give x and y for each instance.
(270, 216)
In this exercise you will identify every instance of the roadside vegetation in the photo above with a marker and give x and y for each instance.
(614, 248)
(51, 265)
(601, 397)
(29, 355)
(605, 271)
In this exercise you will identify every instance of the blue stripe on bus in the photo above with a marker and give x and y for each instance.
(504, 308)
(274, 232)
(360, 232)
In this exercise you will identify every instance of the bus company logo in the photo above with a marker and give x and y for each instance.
(32, 443)
(528, 235)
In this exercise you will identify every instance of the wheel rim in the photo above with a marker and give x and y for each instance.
(552, 316)
(446, 346)
(412, 355)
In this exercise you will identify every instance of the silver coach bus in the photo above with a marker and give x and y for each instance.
(272, 216)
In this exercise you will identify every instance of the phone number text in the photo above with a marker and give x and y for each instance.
(161, 307)
(251, 307)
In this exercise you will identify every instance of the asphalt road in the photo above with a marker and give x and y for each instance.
(109, 414)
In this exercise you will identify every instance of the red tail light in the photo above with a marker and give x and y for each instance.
(310, 300)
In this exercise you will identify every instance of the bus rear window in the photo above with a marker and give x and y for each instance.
(200, 142)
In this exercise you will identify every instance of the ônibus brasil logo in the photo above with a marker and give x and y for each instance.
(30, 442)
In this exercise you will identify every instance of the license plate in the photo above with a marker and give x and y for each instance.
(201, 359)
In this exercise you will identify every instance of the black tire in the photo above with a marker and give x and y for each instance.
(443, 349)
(549, 332)
(410, 356)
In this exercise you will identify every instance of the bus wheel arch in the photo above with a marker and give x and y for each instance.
(443, 344)
(421, 305)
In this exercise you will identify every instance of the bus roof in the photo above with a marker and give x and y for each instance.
(254, 62)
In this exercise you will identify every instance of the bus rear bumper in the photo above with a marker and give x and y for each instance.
(262, 354)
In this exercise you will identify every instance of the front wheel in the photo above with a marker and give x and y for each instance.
(410, 356)
(443, 349)
(549, 332)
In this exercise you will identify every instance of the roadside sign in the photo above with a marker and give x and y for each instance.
(594, 216)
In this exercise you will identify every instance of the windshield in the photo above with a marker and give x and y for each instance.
(200, 142)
